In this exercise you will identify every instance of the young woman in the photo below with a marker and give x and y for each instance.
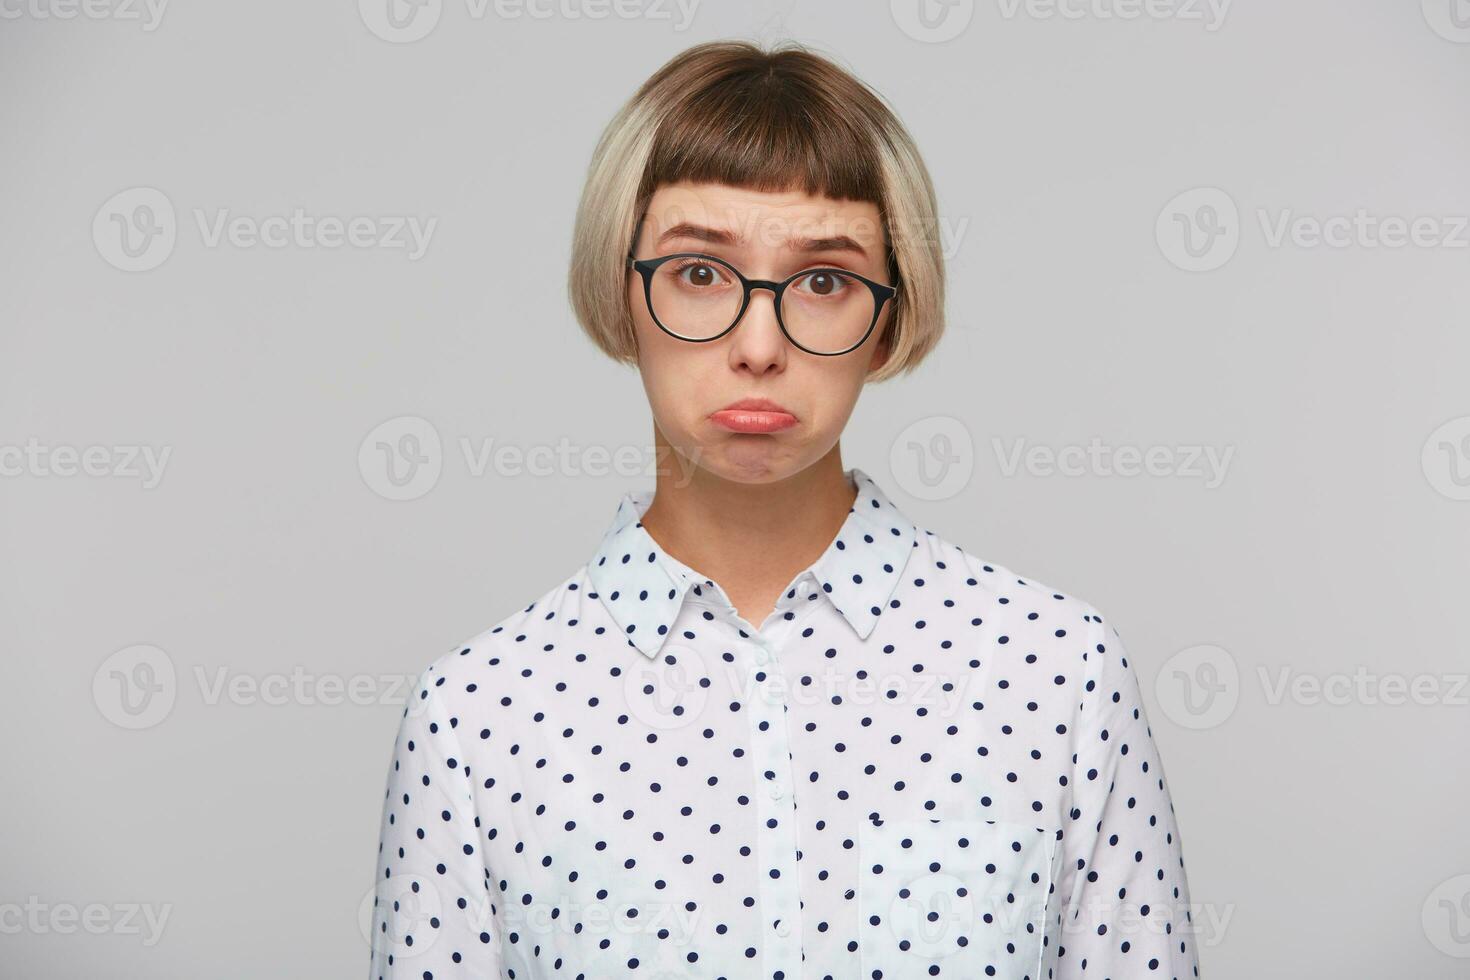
(772, 730)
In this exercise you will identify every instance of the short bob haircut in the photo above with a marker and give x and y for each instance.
(728, 112)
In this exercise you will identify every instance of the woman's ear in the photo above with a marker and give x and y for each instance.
(882, 349)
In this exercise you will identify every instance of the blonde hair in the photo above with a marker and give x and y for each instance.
(731, 113)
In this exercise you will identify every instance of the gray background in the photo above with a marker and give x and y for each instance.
(1327, 834)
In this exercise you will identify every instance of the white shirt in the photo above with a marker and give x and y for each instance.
(920, 765)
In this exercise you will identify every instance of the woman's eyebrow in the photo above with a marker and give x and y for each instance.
(687, 229)
(833, 243)
(719, 236)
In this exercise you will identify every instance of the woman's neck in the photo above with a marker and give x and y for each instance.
(751, 539)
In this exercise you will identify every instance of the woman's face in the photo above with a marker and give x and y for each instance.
(690, 385)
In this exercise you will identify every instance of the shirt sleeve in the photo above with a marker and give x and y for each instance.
(432, 913)
(1129, 910)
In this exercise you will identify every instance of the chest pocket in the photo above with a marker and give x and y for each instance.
(605, 920)
(960, 898)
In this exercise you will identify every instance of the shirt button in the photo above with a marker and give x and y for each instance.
(777, 792)
(783, 928)
(762, 656)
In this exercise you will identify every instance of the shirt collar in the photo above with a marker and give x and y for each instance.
(643, 587)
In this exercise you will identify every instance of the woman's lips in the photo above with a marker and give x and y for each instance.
(751, 420)
(753, 415)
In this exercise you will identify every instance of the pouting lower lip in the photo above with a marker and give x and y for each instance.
(748, 420)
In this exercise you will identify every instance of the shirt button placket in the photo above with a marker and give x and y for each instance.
(775, 800)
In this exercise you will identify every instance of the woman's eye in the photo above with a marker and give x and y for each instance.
(824, 283)
(700, 274)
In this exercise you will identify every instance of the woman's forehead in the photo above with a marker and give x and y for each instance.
(737, 216)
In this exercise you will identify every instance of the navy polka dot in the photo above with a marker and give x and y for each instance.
(919, 765)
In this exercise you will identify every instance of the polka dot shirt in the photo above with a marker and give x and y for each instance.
(919, 765)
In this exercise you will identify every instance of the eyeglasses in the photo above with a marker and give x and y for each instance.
(699, 298)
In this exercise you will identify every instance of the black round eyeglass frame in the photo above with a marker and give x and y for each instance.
(646, 267)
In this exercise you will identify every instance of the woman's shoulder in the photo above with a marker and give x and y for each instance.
(991, 581)
(508, 641)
